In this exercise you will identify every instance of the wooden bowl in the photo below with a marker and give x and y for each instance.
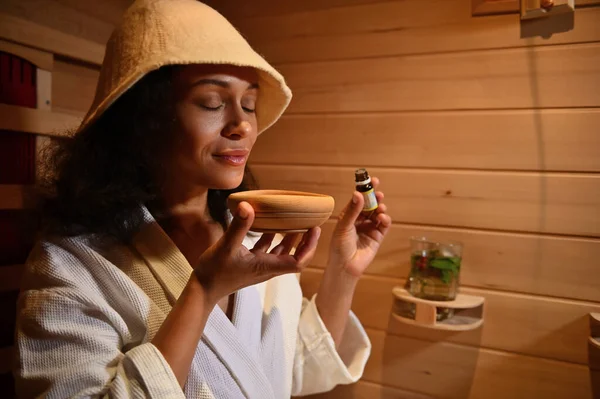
(280, 211)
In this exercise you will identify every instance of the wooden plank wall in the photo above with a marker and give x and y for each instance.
(477, 135)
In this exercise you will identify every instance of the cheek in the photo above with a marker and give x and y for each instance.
(254, 123)
(196, 130)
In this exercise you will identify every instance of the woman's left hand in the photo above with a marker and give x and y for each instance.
(355, 242)
(357, 238)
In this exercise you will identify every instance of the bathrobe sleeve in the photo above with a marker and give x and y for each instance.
(318, 366)
(68, 349)
(72, 343)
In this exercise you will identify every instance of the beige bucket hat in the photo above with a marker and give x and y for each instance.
(154, 33)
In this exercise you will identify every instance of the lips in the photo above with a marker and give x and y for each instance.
(233, 157)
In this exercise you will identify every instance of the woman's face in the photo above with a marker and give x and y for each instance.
(215, 125)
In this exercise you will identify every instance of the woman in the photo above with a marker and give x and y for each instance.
(143, 285)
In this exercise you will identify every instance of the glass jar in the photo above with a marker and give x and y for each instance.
(434, 269)
(434, 273)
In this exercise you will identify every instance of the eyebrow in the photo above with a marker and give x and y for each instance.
(220, 83)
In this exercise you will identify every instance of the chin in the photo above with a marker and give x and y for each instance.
(228, 184)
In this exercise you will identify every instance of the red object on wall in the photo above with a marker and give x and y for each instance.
(17, 158)
(17, 81)
(17, 235)
(17, 150)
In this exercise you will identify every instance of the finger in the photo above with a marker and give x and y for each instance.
(384, 222)
(286, 245)
(378, 229)
(306, 235)
(277, 264)
(306, 251)
(351, 212)
(274, 265)
(239, 227)
(263, 244)
(372, 217)
(381, 208)
(374, 182)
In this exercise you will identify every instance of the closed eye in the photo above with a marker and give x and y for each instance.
(206, 107)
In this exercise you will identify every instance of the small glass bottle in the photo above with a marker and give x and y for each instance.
(364, 186)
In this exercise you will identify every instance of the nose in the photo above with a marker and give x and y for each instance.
(238, 128)
(236, 131)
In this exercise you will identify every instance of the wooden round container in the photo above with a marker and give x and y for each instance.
(281, 211)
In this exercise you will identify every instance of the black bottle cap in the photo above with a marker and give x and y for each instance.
(361, 175)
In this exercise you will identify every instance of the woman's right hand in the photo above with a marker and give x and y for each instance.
(228, 266)
(222, 269)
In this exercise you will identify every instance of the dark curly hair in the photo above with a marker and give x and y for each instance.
(95, 181)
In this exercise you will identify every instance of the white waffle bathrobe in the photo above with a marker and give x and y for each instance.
(87, 315)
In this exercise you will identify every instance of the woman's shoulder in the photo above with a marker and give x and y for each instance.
(52, 250)
(65, 249)
(57, 261)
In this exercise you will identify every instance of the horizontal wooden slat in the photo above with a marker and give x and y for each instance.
(237, 9)
(529, 325)
(31, 120)
(6, 354)
(559, 140)
(586, 3)
(448, 370)
(368, 390)
(12, 196)
(54, 15)
(10, 277)
(109, 11)
(40, 59)
(538, 77)
(543, 265)
(73, 87)
(487, 7)
(364, 19)
(497, 32)
(532, 202)
(22, 31)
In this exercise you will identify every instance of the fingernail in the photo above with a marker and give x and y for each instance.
(354, 199)
(243, 213)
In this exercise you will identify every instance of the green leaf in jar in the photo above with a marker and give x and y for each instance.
(447, 276)
(448, 268)
(455, 260)
(443, 264)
